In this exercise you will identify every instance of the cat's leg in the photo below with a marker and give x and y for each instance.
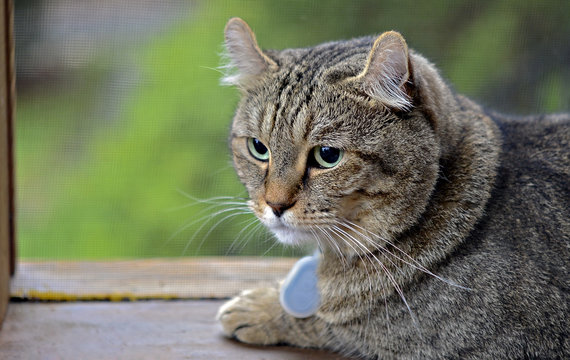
(256, 317)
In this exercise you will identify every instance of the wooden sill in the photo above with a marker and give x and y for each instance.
(62, 328)
(187, 278)
(154, 329)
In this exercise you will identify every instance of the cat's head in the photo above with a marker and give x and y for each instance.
(332, 142)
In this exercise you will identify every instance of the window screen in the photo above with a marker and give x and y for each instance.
(121, 125)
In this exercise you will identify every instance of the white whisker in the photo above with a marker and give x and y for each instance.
(387, 272)
(211, 229)
(238, 240)
(413, 262)
(211, 200)
(334, 244)
(275, 243)
(207, 218)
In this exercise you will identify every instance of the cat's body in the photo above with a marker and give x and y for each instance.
(413, 193)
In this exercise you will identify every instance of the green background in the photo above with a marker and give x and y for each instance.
(113, 171)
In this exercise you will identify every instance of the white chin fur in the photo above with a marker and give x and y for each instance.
(285, 233)
(290, 236)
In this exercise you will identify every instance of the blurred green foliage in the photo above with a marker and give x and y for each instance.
(100, 180)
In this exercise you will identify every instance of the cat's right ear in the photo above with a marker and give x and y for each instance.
(245, 56)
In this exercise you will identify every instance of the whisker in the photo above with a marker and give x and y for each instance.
(335, 246)
(414, 263)
(344, 233)
(208, 217)
(238, 240)
(254, 233)
(211, 207)
(268, 237)
(396, 286)
(317, 239)
(211, 200)
(211, 229)
(275, 243)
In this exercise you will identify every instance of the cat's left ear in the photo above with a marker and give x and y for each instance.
(245, 55)
(387, 72)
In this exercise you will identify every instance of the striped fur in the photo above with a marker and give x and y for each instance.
(444, 229)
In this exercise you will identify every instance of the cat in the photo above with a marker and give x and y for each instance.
(443, 227)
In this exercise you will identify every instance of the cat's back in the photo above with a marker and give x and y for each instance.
(516, 259)
(534, 170)
(529, 209)
(537, 144)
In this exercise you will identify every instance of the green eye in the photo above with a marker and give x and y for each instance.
(327, 157)
(257, 149)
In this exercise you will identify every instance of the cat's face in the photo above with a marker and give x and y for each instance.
(320, 158)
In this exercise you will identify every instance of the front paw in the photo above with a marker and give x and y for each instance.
(253, 317)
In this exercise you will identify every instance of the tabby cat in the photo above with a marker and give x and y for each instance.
(443, 228)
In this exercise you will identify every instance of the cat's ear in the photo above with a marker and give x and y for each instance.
(244, 54)
(387, 71)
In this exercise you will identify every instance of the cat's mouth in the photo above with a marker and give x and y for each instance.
(284, 227)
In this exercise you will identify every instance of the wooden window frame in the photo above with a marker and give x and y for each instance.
(7, 99)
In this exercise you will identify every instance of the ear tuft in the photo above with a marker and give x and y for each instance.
(245, 57)
(386, 71)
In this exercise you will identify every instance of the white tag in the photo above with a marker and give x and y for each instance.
(299, 294)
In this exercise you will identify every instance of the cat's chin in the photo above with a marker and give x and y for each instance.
(290, 236)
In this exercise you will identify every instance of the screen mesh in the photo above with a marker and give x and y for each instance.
(121, 124)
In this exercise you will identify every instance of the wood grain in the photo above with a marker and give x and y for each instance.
(188, 278)
(129, 330)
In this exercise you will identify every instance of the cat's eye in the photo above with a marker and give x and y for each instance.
(257, 149)
(327, 157)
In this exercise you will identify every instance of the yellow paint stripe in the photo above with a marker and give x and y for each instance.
(62, 296)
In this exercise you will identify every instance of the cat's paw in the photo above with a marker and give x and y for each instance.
(253, 317)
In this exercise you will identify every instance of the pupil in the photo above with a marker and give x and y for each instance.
(329, 154)
(259, 147)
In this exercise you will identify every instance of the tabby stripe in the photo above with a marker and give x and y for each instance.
(339, 54)
(290, 102)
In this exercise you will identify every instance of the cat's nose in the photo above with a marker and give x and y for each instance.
(279, 208)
